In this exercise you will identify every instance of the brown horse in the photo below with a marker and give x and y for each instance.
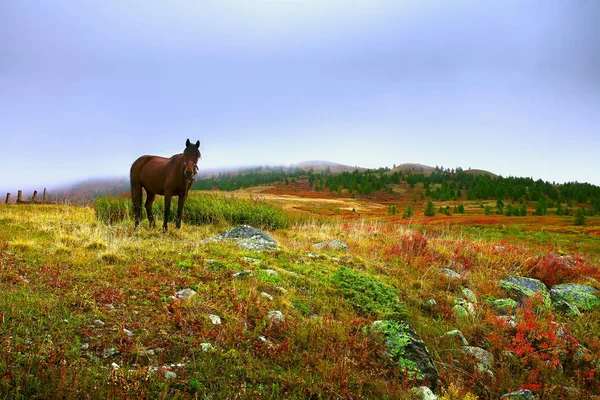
(164, 176)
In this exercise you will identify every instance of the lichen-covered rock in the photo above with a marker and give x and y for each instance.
(408, 350)
(463, 308)
(484, 359)
(331, 245)
(522, 394)
(469, 295)
(451, 274)
(456, 336)
(460, 311)
(566, 308)
(504, 306)
(583, 297)
(186, 293)
(423, 393)
(276, 316)
(248, 238)
(243, 274)
(522, 288)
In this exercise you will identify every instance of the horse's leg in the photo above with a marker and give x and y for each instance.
(180, 202)
(136, 199)
(149, 200)
(168, 195)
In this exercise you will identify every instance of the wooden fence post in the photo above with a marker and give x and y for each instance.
(34, 197)
(19, 196)
(7, 198)
(44, 196)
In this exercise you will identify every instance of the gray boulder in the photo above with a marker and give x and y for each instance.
(522, 394)
(483, 358)
(522, 288)
(405, 347)
(451, 274)
(423, 393)
(578, 297)
(504, 306)
(331, 245)
(248, 238)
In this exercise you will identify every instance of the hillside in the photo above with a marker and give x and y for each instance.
(118, 313)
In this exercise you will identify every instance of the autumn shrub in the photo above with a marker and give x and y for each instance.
(412, 245)
(553, 269)
(541, 348)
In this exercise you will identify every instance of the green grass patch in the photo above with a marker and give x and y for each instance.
(201, 209)
(369, 295)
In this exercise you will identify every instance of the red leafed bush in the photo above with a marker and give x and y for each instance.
(413, 244)
(553, 269)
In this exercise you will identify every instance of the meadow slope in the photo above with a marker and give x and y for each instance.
(90, 310)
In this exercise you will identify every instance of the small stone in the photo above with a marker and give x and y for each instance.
(450, 273)
(431, 303)
(509, 320)
(243, 274)
(456, 335)
(504, 306)
(469, 295)
(85, 346)
(169, 374)
(424, 393)
(276, 316)
(206, 347)
(110, 352)
(281, 290)
(128, 332)
(186, 293)
(266, 295)
(460, 311)
(215, 319)
(99, 322)
(331, 245)
(147, 353)
(485, 359)
(270, 271)
(250, 260)
(522, 394)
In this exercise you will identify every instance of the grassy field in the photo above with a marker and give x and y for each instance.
(89, 309)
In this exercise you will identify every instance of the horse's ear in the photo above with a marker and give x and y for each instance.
(198, 144)
(187, 143)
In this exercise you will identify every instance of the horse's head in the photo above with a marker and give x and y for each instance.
(191, 154)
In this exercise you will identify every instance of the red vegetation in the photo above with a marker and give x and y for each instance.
(540, 344)
(553, 269)
(412, 245)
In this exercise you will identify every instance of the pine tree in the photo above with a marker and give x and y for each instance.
(580, 216)
(430, 209)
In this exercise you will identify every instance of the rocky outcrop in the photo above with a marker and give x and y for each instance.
(573, 297)
(522, 288)
(331, 245)
(248, 238)
(408, 350)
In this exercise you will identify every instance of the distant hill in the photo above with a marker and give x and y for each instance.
(480, 172)
(84, 192)
(320, 165)
(413, 167)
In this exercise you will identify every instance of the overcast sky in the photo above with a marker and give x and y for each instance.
(512, 87)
